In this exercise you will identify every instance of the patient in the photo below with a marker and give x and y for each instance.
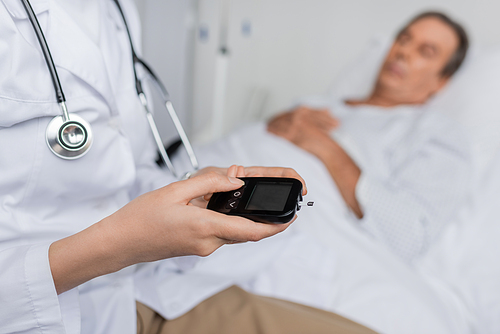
(401, 168)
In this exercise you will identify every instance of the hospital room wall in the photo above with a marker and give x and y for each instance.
(278, 50)
(168, 28)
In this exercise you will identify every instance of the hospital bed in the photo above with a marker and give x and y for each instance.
(454, 288)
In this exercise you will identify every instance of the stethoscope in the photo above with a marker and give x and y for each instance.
(70, 137)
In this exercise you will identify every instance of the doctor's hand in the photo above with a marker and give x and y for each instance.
(157, 225)
(254, 171)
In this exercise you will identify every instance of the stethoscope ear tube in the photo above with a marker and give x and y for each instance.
(182, 134)
(156, 135)
(180, 130)
(173, 116)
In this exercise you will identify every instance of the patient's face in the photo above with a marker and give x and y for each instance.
(412, 69)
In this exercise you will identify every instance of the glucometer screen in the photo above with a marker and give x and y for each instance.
(269, 196)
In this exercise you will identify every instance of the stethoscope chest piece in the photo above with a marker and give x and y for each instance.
(69, 139)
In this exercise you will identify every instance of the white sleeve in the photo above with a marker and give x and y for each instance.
(409, 207)
(173, 288)
(28, 300)
(150, 177)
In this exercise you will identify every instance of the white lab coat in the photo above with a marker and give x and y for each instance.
(44, 198)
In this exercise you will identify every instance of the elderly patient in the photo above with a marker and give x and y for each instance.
(401, 168)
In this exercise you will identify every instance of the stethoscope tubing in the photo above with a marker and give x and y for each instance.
(56, 147)
(61, 99)
(168, 105)
(46, 51)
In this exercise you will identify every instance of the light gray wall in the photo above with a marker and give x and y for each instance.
(295, 48)
(168, 37)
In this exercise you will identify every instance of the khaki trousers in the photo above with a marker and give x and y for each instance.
(235, 311)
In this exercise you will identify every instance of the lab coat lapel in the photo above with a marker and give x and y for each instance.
(16, 8)
(78, 54)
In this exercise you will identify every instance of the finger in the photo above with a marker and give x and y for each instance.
(241, 172)
(279, 124)
(232, 171)
(336, 123)
(271, 128)
(318, 120)
(278, 118)
(222, 171)
(254, 175)
(303, 109)
(238, 229)
(204, 184)
(325, 120)
(319, 110)
(200, 202)
(232, 242)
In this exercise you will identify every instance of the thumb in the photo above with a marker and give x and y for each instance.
(207, 183)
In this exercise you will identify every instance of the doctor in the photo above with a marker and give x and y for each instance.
(72, 231)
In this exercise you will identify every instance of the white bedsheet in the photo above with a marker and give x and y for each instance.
(369, 284)
(465, 261)
(456, 286)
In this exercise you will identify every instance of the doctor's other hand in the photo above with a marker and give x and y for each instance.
(154, 226)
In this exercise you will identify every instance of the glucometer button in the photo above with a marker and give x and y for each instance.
(237, 194)
(232, 204)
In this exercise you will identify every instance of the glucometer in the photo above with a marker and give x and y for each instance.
(263, 199)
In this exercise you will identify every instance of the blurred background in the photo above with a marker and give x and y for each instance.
(228, 62)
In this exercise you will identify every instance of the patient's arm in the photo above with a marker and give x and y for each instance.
(425, 182)
(309, 129)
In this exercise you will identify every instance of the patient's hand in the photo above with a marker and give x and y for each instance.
(305, 127)
(310, 129)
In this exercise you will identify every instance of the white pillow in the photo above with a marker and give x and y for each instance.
(357, 79)
(472, 96)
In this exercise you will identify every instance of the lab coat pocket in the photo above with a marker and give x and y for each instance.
(26, 89)
(13, 112)
(17, 11)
